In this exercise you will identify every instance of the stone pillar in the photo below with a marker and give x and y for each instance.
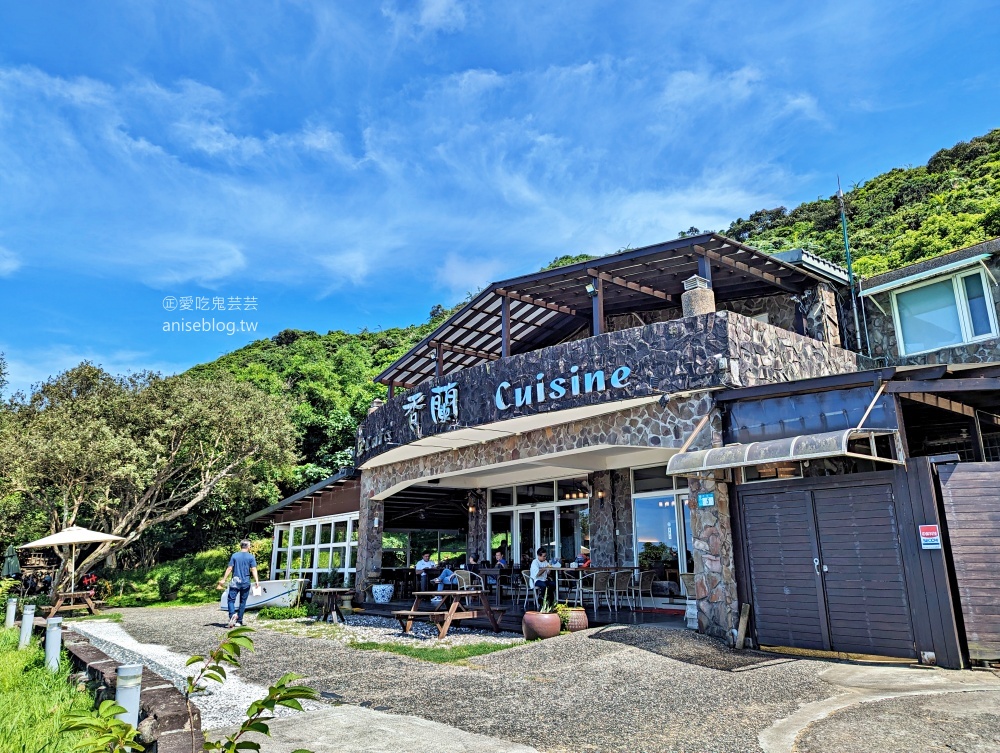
(602, 530)
(476, 542)
(819, 314)
(697, 297)
(622, 511)
(714, 570)
(371, 523)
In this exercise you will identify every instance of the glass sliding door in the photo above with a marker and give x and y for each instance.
(547, 533)
(501, 534)
(660, 540)
(526, 539)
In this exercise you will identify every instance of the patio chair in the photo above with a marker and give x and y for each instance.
(529, 587)
(595, 584)
(620, 586)
(644, 585)
(466, 579)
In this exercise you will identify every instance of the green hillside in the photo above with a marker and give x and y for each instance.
(896, 218)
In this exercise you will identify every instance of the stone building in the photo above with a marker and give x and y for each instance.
(690, 410)
(545, 411)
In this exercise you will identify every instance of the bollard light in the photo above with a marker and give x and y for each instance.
(27, 623)
(11, 613)
(53, 643)
(127, 691)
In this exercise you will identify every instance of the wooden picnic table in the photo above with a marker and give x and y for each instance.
(448, 610)
(62, 596)
(328, 601)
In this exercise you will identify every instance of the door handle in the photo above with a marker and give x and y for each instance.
(816, 564)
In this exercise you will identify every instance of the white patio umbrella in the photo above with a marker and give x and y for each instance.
(71, 537)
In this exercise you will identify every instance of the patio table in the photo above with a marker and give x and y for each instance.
(327, 599)
(62, 596)
(448, 610)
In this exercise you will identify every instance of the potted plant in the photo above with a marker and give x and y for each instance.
(572, 618)
(544, 623)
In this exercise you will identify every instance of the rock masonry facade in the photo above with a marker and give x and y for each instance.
(694, 357)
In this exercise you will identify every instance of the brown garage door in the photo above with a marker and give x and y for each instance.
(826, 568)
(971, 496)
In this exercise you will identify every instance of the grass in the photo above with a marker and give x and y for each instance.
(182, 582)
(34, 700)
(436, 654)
(108, 616)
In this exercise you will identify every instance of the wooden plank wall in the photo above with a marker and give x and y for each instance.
(970, 493)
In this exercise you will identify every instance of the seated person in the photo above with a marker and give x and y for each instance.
(499, 559)
(424, 563)
(584, 559)
(540, 570)
(446, 578)
(472, 563)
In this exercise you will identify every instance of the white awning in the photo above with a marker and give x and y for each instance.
(803, 447)
(927, 274)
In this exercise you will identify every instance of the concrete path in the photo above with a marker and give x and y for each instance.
(894, 709)
(362, 730)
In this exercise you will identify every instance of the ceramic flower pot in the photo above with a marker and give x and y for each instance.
(538, 625)
(382, 593)
(577, 620)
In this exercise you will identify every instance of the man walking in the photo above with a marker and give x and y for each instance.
(241, 566)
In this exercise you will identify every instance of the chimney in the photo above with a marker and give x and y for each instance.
(698, 298)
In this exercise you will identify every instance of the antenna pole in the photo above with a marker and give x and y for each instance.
(850, 266)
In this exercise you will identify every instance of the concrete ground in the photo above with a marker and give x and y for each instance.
(630, 688)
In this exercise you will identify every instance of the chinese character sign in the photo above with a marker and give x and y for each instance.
(444, 403)
(412, 407)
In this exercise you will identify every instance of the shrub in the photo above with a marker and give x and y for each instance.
(283, 613)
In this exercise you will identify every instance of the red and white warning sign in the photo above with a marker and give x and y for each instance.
(930, 537)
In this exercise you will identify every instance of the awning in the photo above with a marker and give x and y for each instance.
(927, 274)
(803, 447)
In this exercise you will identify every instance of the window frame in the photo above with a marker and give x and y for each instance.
(961, 303)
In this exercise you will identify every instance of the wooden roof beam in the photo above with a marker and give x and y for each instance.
(537, 302)
(623, 283)
(952, 406)
(465, 351)
(745, 268)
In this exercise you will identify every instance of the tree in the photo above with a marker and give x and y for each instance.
(126, 454)
(565, 260)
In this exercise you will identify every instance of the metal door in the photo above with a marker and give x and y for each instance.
(826, 569)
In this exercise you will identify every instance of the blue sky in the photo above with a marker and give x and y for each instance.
(350, 165)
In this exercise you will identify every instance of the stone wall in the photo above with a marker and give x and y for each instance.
(476, 542)
(611, 540)
(714, 567)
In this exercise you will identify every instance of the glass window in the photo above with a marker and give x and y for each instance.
(536, 493)
(547, 532)
(526, 537)
(340, 531)
(574, 531)
(500, 534)
(324, 533)
(501, 497)
(283, 538)
(283, 560)
(310, 535)
(574, 488)
(657, 537)
(297, 536)
(324, 559)
(651, 479)
(928, 317)
(979, 315)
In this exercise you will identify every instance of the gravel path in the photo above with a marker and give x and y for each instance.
(220, 705)
(599, 690)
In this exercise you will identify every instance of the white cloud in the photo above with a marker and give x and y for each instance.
(175, 259)
(460, 274)
(441, 15)
(9, 263)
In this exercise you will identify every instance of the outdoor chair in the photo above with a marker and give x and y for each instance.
(529, 587)
(620, 586)
(644, 585)
(467, 579)
(595, 584)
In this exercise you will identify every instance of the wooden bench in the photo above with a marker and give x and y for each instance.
(448, 610)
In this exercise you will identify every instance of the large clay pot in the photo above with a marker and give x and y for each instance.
(577, 620)
(538, 625)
